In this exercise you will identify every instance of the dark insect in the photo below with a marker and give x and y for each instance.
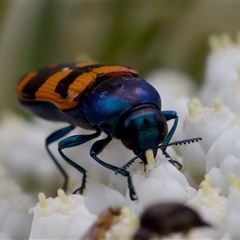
(167, 218)
(103, 224)
(110, 99)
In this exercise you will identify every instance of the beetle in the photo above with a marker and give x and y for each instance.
(162, 219)
(105, 98)
(104, 223)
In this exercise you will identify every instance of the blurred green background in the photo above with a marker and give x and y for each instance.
(146, 35)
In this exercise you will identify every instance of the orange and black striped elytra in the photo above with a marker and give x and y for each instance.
(105, 98)
(63, 84)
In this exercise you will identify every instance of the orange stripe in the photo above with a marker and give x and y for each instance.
(47, 92)
(24, 81)
(84, 64)
(80, 83)
(109, 69)
(83, 80)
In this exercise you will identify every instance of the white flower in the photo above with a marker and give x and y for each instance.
(211, 206)
(221, 67)
(230, 95)
(14, 204)
(161, 183)
(172, 86)
(233, 208)
(206, 123)
(175, 89)
(193, 234)
(23, 153)
(223, 156)
(124, 226)
(64, 217)
(98, 197)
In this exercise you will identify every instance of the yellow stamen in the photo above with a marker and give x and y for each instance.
(205, 188)
(234, 180)
(191, 109)
(42, 200)
(125, 212)
(217, 104)
(196, 102)
(62, 196)
(235, 122)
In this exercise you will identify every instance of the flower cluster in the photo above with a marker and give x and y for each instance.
(209, 182)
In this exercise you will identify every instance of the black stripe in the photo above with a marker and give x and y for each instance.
(63, 85)
(29, 90)
(36, 82)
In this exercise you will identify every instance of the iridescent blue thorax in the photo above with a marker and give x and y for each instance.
(114, 98)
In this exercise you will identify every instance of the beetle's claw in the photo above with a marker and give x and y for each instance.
(176, 164)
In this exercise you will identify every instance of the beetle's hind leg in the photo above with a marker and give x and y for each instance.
(79, 168)
(74, 141)
(52, 138)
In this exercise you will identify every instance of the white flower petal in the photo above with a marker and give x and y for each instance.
(98, 197)
(164, 183)
(211, 206)
(220, 70)
(207, 123)
(233, 208)
(14, 204)
(218, 180)
(61, 218)
(222, 154)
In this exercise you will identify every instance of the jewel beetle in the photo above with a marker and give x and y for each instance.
(163, 219)
(105, 98)
(106, 220)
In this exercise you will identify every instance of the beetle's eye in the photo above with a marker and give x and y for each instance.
(129, 134)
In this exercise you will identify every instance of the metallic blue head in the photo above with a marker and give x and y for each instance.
(143, 128)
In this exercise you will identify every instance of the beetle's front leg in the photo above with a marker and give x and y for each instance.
(96, 149)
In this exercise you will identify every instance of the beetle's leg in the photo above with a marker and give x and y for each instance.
(173, 115)
(96, 149)
(73, 141)
(52, 138)
(175, 163)
(129, 163)
(169, 115)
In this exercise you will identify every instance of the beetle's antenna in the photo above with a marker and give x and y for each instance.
(174, 162)
(186, 141)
